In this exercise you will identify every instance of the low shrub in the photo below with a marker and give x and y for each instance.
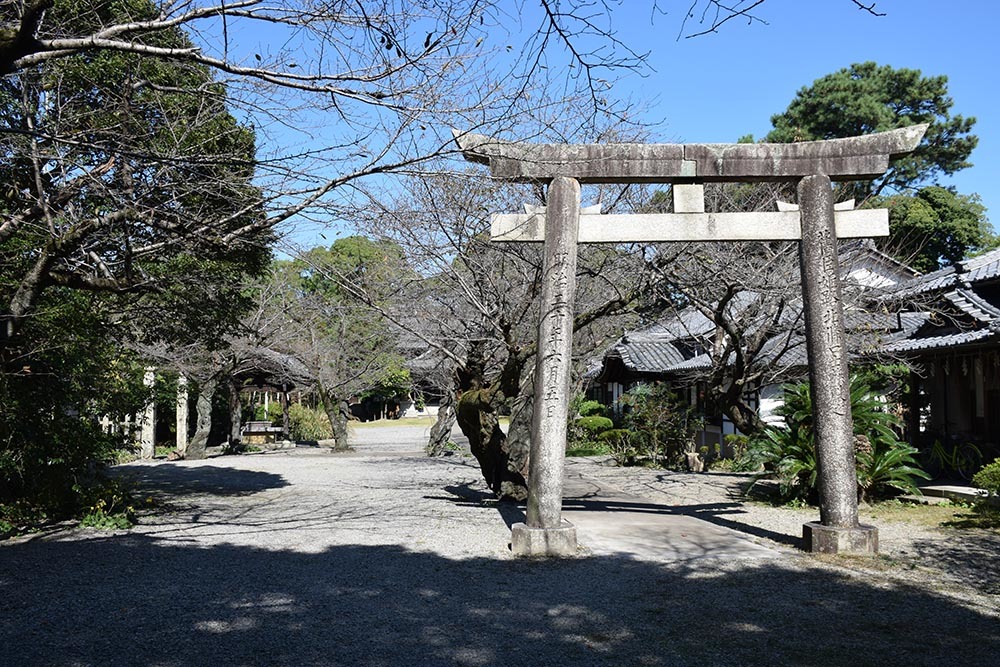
(107, 504)
(592, 408)
(619, 442)
(662, 426)
(594, 425)
(988, 478)
(304, 423)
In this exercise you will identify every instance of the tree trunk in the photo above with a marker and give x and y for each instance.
(477, 417)
(519, 431)
(199, 441)
(437, 444)
(339, 413)
(339, 424)
(235, 418)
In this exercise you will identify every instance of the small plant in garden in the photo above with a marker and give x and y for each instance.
(594, 425)
(661, 427)
(582, 437)
(884, 463)
(592, 408)
(304, 423)
(108, 505)
(618, 442)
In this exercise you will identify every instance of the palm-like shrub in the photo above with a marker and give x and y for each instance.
(884, 463)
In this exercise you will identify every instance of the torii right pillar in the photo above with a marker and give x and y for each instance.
(838, 529)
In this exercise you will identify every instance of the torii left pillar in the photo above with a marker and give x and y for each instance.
(545, 533)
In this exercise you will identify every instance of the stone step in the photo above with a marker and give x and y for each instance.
(959, 493)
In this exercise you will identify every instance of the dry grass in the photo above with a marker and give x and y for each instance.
(947, 515)
(405, 421)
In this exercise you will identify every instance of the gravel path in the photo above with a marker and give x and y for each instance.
(376, 558)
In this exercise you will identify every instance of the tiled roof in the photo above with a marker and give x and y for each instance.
(973, 305)
(938, 342)
(982, 267)
(977, 269)
(647, 356)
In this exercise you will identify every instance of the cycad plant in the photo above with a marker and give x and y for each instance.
(884, 463)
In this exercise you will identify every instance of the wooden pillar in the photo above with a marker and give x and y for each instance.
(285, 421)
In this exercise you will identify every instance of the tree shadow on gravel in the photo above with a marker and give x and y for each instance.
(470, 494)
(971, 557)
(725, 515)
(137, 600)
(180, 480)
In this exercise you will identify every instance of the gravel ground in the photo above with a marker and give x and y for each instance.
(375, 558)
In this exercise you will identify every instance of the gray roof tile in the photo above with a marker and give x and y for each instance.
(938, 342)
(648, 357)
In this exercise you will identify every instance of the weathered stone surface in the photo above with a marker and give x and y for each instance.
(529, 542)
(688, 198)
(147, 423)
(554, 360)
(827, 349)
(859, 539)
(666, 227)
(853, 157)
(182, 415)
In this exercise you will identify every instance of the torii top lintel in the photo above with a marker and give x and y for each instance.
(865, 156)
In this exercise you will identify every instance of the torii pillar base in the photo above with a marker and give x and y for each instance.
(860, 539)
(528, 542)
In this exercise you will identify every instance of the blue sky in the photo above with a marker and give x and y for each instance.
(718, 87)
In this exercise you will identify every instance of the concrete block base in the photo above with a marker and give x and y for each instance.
(833, 540)
(543, 542)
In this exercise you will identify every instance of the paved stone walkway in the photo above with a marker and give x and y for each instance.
(613, 523)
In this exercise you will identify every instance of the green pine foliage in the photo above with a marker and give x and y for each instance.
(867, 97)
(930, 226)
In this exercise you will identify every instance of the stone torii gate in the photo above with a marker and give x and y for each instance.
(812, 166)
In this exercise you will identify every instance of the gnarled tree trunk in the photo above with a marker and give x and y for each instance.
(437, 444)
(502, 462)
(199, 441)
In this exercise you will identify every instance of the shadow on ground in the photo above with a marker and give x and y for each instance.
(139, 600)
(973, 559)
(179, 480)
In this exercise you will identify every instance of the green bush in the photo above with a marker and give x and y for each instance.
(884, 463)
(988, 478)
(618, 442)
(307, 424)
(591, 409)
(594, 425)
(274, 413)
(107, 504)
(662, 427)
